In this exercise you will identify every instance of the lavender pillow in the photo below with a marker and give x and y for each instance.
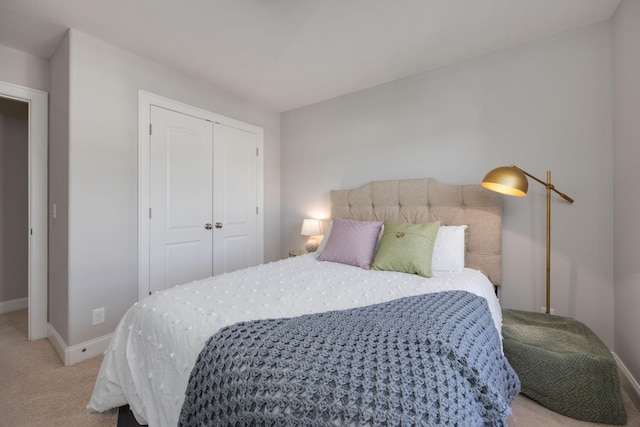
(352, 242)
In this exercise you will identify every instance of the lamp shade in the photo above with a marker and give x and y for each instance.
(506, 180)
(311, 227)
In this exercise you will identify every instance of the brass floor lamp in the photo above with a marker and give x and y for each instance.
(511, 180)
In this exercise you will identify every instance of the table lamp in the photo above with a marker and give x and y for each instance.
(311, 227)
(511, 180)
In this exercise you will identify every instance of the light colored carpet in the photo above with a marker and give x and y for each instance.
(37, 390)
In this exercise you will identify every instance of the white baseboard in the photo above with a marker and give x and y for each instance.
(14, 305)
(628, 381)
(80, 352)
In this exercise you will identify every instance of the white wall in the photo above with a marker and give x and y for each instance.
(626, 149)
(58, 291)
(542, 105)
(102, 183)
(14, 190)
(23, 69)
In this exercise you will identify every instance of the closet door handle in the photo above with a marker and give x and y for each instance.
(218, 225)
(207, 226)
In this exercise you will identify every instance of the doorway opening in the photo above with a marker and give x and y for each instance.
(14, 205)
(23, 224)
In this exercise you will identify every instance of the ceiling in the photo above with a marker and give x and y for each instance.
(284, 54)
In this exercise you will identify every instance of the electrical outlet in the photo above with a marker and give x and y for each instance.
(544, 310)
(98, 316)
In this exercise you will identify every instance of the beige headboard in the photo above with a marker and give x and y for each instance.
(426, 200)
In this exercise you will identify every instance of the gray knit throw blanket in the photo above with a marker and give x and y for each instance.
(427, 360)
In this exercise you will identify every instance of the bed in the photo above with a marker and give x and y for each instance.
(175, 348)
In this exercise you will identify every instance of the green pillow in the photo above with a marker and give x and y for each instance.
(406, 248)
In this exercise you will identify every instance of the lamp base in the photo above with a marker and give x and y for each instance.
(311, 245)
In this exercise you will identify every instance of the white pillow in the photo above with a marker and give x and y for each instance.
(325, 237)
(448, 251)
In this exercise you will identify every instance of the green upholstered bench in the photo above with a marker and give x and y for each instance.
(564, 366)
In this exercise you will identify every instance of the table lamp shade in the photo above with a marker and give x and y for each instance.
(311, 227)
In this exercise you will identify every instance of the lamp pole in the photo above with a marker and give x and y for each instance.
(549, 186)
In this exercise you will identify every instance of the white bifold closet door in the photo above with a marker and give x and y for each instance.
(203, 199)
(235, 204)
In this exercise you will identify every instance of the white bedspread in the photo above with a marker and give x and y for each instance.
(158, 340)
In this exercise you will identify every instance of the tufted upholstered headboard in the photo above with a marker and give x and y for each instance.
(426, 200)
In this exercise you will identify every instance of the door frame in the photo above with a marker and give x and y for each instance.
(145, 101)
(38, 203)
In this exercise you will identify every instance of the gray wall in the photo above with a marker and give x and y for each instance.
(626, 161)
(58, 294)
(103, 173)
(14, 191)
(23, 69)
(542, 105)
